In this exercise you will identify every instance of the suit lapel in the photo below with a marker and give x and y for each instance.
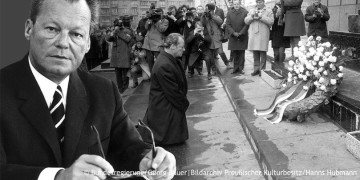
(76, 110)
(35, 109)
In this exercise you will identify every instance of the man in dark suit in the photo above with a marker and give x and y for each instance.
(167, 101)
(220, 12)
(48, 107)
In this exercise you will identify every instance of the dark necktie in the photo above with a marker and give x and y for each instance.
(57, 112)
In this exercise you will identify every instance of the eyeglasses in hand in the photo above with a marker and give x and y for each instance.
(110, 176)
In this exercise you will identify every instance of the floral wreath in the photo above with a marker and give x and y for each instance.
(313, 78)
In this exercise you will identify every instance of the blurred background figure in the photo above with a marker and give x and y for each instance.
(317, 14)
(259, 20)
(220, 51)
(294, 22)
(212, 23)
(278, 41)
(141, 30)
(198, 46)
(123, 39)
(156, 26)
(186, 24)
(139, 64)
(170, 16)
(237, 31)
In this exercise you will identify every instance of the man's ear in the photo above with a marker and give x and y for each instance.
(172, 47)
(29, 26)
(88, 44)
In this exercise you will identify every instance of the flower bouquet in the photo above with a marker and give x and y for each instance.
(314, 77)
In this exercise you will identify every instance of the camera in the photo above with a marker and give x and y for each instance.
(155, 15)
(256, 14)
(117, 22)
(189, 14)
(207, 14)
(168, 13)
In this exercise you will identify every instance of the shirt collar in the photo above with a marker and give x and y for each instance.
(48, 87)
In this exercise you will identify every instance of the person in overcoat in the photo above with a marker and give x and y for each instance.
(237, 30)
(212, 23)
(198, 41)
(123, 39)
(220, 12)
(139, 64)
(317, 14)
(278, 41)
(154, 37)
(167, 100)
(186, 23)
(259, 20)
(294, 22)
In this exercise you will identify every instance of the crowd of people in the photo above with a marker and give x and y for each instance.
(205, 29)
(59, 122)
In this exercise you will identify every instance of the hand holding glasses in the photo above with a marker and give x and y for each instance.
(142, 124)
(117, 176)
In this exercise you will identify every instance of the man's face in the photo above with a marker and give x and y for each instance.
(260, 3)
(139, 44)
(59, 38)
(317, 2)
(200, 10)
(236, 5)
(173, 11)
(179, 49)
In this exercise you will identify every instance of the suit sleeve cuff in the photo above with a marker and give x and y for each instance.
(49, 173)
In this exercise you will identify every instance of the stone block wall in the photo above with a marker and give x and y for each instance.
(339, 11)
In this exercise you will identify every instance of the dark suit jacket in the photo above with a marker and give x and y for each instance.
(167, 101)
(28, 142)
(197, 45)
(235, 23)
(185, 32)
(220, 13)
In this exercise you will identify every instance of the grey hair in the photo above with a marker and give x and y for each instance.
(93, 6)
(172, 39)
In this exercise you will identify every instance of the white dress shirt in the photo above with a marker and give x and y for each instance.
(48, 88)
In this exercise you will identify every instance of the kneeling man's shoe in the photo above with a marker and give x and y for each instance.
(255, 73)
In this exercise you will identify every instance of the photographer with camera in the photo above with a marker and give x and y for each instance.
(212, 23)
(198, 42)
(156, 26)
(199, 12)
(317, 15)
(140, 30)
(186, 23)
(123, 39)
(259, 20)
(170, 16)
(220, 12)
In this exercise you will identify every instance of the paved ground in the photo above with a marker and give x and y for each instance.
(217, 148)
(316, 146)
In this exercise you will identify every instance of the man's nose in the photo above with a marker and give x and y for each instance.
(62, 40)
